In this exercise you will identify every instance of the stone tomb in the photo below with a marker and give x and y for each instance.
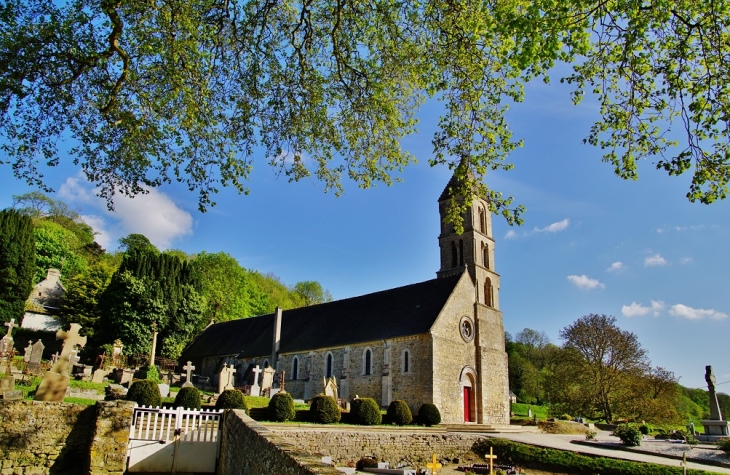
(33, 365)
(55, 381)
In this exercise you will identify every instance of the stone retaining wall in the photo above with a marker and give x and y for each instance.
(248, 447)
(402, 446)
(39, 438)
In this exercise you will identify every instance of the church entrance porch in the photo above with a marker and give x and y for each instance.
(467, 381)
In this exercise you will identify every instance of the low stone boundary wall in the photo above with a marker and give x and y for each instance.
(248, 447)
(39, 438)
(411, 447)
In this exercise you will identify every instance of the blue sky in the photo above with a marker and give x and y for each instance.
(591, 242)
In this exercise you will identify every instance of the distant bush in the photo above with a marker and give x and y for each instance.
(399, 413)
(724, 445)
(566, 417)
(145, 392)
(366, 462)
(324, 409)
(365, 411)
(231, 399)
(188, 398)
(429, 415)
(281, 407)
(629, 435)
(591, 435)
(644, 429)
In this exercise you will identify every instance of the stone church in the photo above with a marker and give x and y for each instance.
(439, 341)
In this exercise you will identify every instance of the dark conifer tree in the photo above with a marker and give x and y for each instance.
(17, 263)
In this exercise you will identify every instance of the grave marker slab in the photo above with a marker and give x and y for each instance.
(55, 381)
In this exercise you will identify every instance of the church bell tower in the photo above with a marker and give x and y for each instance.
(473, 249)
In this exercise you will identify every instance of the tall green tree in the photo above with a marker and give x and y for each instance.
(187, 89)
(83, 292)
(312, 292)
(58, 248)
(152, 288)
(137, 243)
(17, 263)
(40, 206)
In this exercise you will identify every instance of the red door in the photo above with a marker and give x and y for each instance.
(467, 404)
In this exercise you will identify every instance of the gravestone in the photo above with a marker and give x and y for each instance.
(255, 388)
(6, 344)
(715, 427)
(7, 383)
(268, 379)
(164, 389)
(188, 375)
(36, 355)
(55, 381)
(330, 387)
(12, 395)
(99, 375)
(225, 378)
(28, 351)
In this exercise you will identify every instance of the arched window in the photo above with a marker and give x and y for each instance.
(295, 368)
(367, 362)
(461, 252)
(328, 365)
(454, 255)
(406, 362)
(488, 292)
(485, 255)
(482, 220)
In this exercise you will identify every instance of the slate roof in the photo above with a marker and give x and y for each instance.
(403, 311)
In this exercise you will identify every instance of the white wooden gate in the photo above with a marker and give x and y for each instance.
(174, 440)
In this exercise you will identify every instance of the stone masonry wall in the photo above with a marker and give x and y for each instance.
(39, 438)
(248, 448)
(395, 446)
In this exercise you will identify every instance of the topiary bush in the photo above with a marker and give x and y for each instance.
(629, 435)
(188, 398)
(324, 409)
(429, 415)
(145, 392)
(365, 411)
(399, 413)
(644, 429)
(281, 407)
(231, 399)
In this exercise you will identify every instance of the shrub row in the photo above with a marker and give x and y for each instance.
(527, 456)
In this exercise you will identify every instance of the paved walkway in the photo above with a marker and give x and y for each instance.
(564, 442)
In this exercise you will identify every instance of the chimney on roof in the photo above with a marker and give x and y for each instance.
(53, 275)
(277, 337)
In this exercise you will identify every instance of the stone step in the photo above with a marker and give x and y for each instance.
(490, 428)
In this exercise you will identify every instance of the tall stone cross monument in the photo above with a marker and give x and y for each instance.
(715, 427)
(6, 344)
(55, 381)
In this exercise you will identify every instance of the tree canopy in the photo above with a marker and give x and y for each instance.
(17, 263)
(189, 90)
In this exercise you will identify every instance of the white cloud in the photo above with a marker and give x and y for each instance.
(153, 214)
(555, 227)
(655, 260)
(638, 310)
(683, 311)
(511, 234)
(616, 267)
(686, 260)
(584, 282)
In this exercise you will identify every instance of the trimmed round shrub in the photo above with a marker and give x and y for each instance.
(429, 415)
(566, 417)
(188, 398)
(324, 409)
(629, 435)
(281, 407)
(145, 392)
(399, 413)
(231, 399)
(365, 411)
(644, 429)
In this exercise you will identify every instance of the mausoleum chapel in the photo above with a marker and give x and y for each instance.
(439, 341)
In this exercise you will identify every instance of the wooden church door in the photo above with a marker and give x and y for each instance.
(467, 404)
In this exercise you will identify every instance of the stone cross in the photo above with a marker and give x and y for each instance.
(283, 374)
(188, 378)
(491, 458)
(71, 339)
(11, 324)
(54, 356)
(229, 383)
(715, 413)
(255, 388)
(73, 359)
(433, 465)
